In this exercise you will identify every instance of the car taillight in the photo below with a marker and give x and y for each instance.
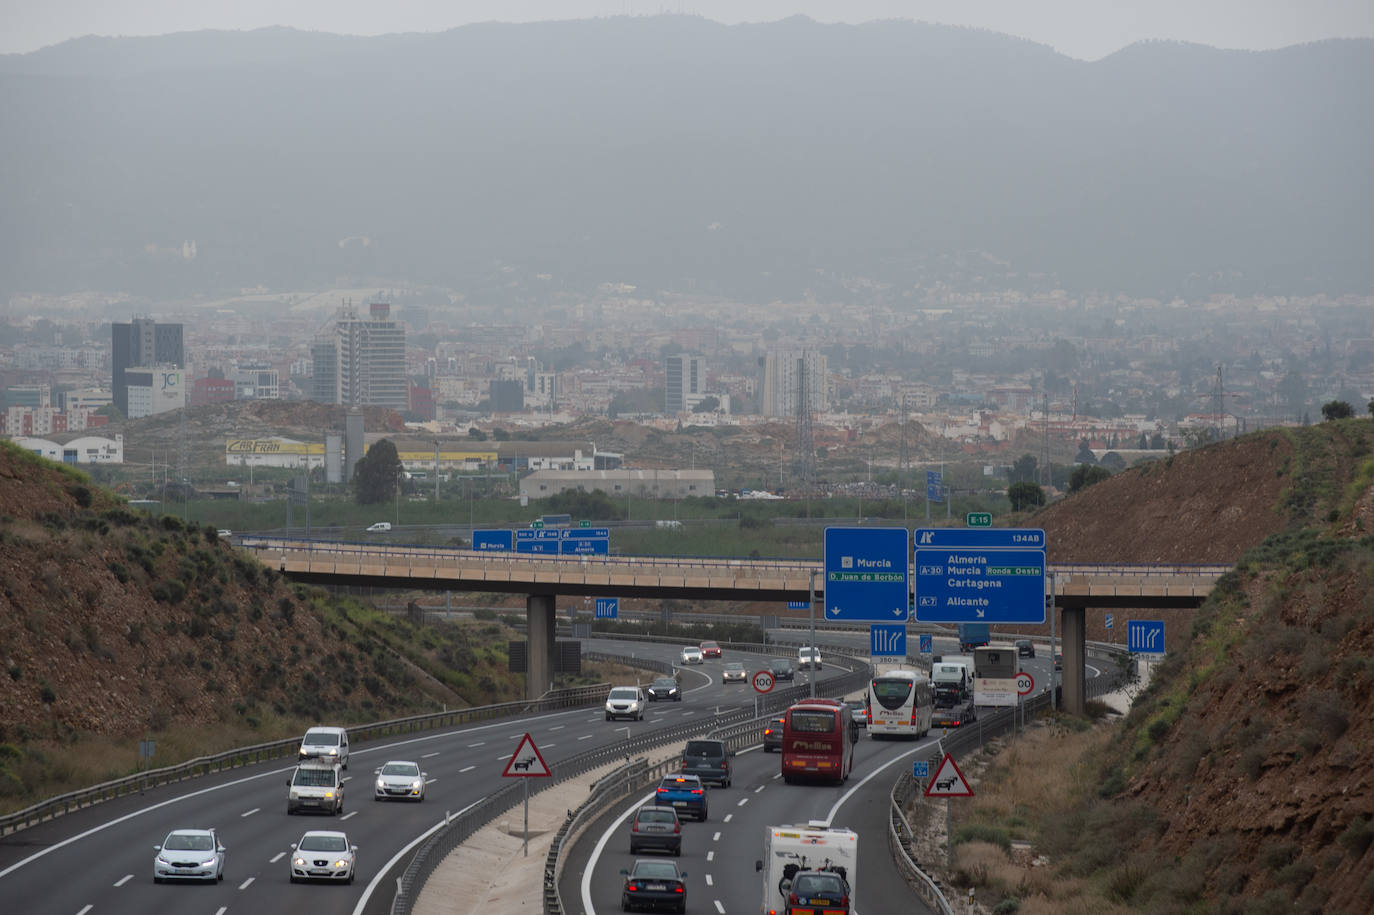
(678, 889)
(677, 827)
(635, 827)
(844, 901)
(724, 764)
(631, 887)
(696, 791)
(793, 899)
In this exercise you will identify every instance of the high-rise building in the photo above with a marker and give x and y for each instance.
(142, 343)
(785, 372)
(686, 379)
(362, 361)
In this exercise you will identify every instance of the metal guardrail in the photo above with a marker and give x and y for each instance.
(276, 749)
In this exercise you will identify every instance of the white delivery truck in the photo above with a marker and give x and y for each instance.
(952, 675)
(788, 850)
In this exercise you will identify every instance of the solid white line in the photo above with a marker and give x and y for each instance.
(372, 886)
(351, 813)
(468, 769)
(428, 755)
(611, 830)
(245, 884)
(123, 880)
(715, 838)
(277, 857)
(709, 882)
(250, 812)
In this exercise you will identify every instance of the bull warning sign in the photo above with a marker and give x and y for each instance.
(526, 761)
(948, 781)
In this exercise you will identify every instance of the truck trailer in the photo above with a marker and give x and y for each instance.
(788, 850)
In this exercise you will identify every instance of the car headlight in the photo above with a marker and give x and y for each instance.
(417, 784)
(207, 862)
(333, 752)
(380, 784)
(162, 860)
(294, 794)
(342, 862)
(299, 862)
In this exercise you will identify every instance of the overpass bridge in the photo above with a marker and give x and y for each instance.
(543, 578)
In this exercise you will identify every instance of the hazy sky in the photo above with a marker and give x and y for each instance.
(1086, 29)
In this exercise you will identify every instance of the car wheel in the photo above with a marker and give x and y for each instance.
(293, 879)
(156, 878)
(290, 811)
(608, 716)
(703, 814)
(624, 904)
(683, 906)
(350, 878)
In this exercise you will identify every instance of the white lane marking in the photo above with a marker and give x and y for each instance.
(586, 737)
(85, 910)
(123, 880)
(501, 757)
(709, 881)
(428, 755)
(611, 830)
(728, 818)
(711, 855)
(250, 812)
(245, 884)
(515, 736)
(778, 776)
(346, 778)
(558, 727)
(468, 769)
(759, 788)
(430, 781)
(372, 886)
(830, 817)
(277, 857)
(742, 802)
(221, 910)
(351, 813)
(547, 745)
(719, 908)
(715, 838)
(481, 743)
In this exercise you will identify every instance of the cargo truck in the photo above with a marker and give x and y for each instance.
(973, 635)
(790, 850)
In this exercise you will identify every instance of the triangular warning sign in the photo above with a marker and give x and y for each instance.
(948, 781)
(527, 761)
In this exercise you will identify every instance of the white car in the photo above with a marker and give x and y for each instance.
(401, 780)
(224, 533)
(189, 854)
(323, 855)
(625, 702)
(380, 527)
(691, 655)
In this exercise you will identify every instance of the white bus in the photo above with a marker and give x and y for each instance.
(900, 702)
(995, 668)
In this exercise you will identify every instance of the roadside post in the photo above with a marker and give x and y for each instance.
(526, 763)
(948, 782)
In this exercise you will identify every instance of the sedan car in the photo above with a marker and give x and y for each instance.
(684, 793)
(772, 734)
(189, 854)
(781, 668)
(655, 827)
(654, 885)
(1025, 648)
(690, 655)
(664, 688)
(952, 717)
(625, 702)
(399, 779)
(323, 855)
(710, 650)
(818, 891)
(734, 672)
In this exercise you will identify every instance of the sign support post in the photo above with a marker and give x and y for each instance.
(811, 668)
(1054, 677)
(526, 831)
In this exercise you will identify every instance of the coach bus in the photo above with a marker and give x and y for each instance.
(995, 668)
(818, 737)
(900, 704)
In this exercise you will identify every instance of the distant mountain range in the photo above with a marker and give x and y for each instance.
(757, 162)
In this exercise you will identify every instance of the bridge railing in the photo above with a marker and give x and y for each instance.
(277, 749)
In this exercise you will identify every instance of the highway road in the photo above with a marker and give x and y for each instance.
(99, 860)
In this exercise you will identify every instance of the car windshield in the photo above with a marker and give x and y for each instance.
(183, 842)
(818, 885)
(625, 693)
(321, 738)
(315, 778)
(400, 769)
(665, 683)
(679, 783)
(708, 644)
(780, 662)
(323, 843)
(703, 748)
(656, 816)
(691, 650)
(657, 870)
(734, 665)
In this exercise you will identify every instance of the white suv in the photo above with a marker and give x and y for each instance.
(625, 702)
(329, 744)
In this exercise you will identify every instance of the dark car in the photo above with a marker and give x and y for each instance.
(684, 793)
(954, 716)
(664, 688)
(818, 891)
(1059, 662)
(654, 885)
(655, 827)
(772, 734)
(709, 760)
(781, 668)
(1025, 648)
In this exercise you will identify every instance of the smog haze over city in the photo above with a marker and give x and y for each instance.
(1104, 208)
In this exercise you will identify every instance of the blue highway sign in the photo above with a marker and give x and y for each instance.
(798, 604)
(927, 643)
(1108, 621)
(920, 769)
(866, 574)
(491, 540)
(986, 538)
(564, 541)
(887, 640)
(988, 586)
(607, 608)
(1145, 636)
(933, 485)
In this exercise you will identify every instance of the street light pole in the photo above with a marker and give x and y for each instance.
(811, 668)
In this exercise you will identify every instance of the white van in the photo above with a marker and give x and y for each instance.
(808, 658)
(380, 527)
(315, 785)
(327, 743)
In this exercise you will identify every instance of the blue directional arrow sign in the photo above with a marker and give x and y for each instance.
(866, 574)
(971, 575)
(483, 541)
(887, 640)
(607, 608)
(798, 604)
(933, 485)
(1145, 636)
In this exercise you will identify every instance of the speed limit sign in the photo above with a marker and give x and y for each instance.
(763, 681)
(1024, 683)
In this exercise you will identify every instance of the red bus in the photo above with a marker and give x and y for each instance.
(818, 738)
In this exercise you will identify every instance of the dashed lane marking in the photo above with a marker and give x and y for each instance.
(245, 884)
(123, 880)
(249, 813)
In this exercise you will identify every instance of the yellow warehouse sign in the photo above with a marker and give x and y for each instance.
(246, 446)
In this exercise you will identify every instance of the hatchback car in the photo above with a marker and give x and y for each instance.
(734, 672)
(709, 760)
(781, 669)
(690, 655)
(656, 828)
(1025, 648)
(189, 854)
(818, 891)
(323, 855)
(325, 743)
(858, 710)
(710, 650)
(772, 734)
(654, 885)
(625, 702)
(684, 793)
(664, 688)
(399, 779)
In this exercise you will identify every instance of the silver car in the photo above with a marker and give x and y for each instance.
(400, 779)
(189, 854)
(691, 655)
(734, 671)
(323, 855)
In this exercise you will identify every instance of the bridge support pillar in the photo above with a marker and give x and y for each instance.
(1075, 656)
(540, 617)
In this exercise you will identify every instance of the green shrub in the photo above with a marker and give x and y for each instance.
(983, 832)
(1357, 837)
(120, 572)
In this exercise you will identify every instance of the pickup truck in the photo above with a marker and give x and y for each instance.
(684, 793)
